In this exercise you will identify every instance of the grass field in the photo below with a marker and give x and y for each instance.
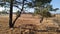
(27, 19)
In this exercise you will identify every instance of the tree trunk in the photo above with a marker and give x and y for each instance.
(41, 19)
(10, 15)
(19, 14)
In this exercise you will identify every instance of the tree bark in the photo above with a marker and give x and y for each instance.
(11, 14)
(19, 14)
(41, 19)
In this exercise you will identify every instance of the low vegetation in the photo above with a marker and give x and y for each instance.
(34, 26)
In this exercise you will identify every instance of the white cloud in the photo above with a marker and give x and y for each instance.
(1, 8)
(14, 9)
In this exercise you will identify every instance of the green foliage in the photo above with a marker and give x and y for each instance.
(17, 13)
(32, 4)
(6, 0)
(39, 3)
(44, 12)
(43, 1)
(55, 9)
(3, 12)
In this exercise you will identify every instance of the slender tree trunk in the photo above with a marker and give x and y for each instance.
(41, 19)
(10, 15)
(19, 14)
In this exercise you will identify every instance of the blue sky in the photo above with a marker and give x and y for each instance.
(54, 3)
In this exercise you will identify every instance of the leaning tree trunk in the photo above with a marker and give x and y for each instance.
(18, 14)
(41, 19)
(10, 15)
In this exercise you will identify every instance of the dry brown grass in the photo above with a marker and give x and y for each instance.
(25, 19)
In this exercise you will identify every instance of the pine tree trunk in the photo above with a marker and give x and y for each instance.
(41, 19)
(19, 14)
(11, 14)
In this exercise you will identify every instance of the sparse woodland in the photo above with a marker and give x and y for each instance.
(39, 22)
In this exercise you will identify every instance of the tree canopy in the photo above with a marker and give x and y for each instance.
(27, 3)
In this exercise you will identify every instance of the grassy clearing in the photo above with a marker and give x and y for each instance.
(4, 29)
